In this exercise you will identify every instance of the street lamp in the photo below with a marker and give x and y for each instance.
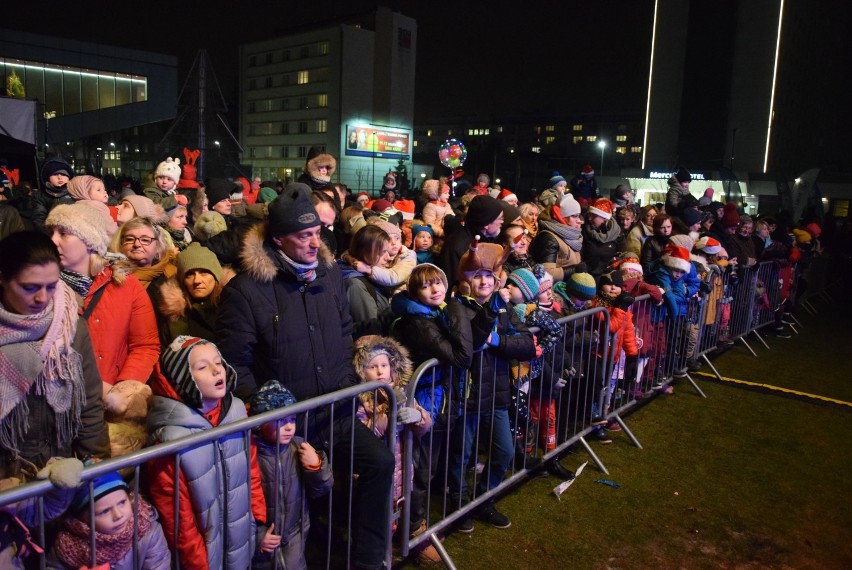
(602, 146)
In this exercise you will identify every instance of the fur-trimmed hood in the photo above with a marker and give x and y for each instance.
(173, 301)
(312, 165)
(365, 349)
(260, 261)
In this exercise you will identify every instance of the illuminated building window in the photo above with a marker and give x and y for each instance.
(577, 139)
(486, 132)
(302, 77)
(322, 100)
(550, 140)
(591, 138)
(636, 149)
(429, 133)
(550, 128)
(536, 149)
(621, 138)
(322, 126)
(470, 132)
(577, 127)
(414, 144)
(499, 129)
(322, 48)
(621, 149)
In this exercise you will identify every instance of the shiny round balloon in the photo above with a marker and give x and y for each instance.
(452, 153)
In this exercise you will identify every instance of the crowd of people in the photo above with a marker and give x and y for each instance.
(132, 317)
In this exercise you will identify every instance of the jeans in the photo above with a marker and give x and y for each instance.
(465, 434)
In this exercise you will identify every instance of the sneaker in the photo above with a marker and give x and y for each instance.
(557, 470)
(613, 425)
(465, 525)
(489, 513)
(599, 434)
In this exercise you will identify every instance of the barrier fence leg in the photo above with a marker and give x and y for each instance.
(442, 552)
(626, 430)
(713, 368)
(753, 353)
(760, 338)
(809, 308)
(694, 385)
(595, 458)
(795, 320)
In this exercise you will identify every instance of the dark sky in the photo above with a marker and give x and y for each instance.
(523, 57)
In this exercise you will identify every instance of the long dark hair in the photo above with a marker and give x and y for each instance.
(22, 249)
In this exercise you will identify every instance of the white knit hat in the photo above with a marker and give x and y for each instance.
(169, 167)
(569, 206)
(87, 223)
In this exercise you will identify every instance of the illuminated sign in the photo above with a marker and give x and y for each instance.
(667, 175)
(378, 142)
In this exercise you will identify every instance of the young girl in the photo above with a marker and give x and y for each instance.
(87, 187)
(220, 494)
(114, 524)
(401, 262)
(301, 472)
(382, 359)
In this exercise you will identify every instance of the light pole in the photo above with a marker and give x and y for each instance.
(373, 173)
(602, 146)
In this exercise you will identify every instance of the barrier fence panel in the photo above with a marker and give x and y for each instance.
(335, 518)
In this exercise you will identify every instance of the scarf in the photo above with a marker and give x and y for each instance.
(165, 266)
(306, 272)
(36, 350)
(74, 547)
(572, 236)
(78, 282)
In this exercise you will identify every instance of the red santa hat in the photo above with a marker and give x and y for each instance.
(708, 245)
(676, 257)
(602, 207)
(406, 208)
(506, 195)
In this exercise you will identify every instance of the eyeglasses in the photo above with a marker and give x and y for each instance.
(131, 240)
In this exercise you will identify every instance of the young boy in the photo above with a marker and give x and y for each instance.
(113, 530)
(302, 471)
(486, 394)
(216, 518)
(164, 189)
(424, 239)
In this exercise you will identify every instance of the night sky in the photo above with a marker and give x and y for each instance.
(472, 57)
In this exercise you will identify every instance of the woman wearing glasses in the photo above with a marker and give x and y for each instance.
(119, 313)
(148, 247)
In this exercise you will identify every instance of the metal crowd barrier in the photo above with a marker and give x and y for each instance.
(28, 500)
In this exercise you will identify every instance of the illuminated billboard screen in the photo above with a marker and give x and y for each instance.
(377, 142)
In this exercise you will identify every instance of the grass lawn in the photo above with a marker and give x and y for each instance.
(744, 479)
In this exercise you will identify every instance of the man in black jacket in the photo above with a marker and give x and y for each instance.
(286, 317)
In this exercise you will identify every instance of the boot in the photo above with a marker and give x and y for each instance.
(425, 552)
(557, 470)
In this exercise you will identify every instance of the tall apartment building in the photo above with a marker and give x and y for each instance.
(347, 87)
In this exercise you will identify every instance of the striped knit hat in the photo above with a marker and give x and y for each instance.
(527, 282)
(175, 363)
(579, 285)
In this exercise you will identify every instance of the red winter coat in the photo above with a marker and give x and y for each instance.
(122, 326)
(620, 325)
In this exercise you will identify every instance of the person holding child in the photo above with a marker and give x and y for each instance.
(163, 190)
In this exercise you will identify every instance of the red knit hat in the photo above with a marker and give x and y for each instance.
(730, 218)
(675, 257)
(602, 207)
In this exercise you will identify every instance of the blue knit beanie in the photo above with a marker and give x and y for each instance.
(103, 486)
(556, 179)
(271, 396)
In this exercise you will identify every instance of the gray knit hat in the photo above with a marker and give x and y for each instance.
(146, 208)
(84, 221)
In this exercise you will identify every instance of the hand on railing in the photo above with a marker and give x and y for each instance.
(270, 541)
(408, 415)
(64, 473)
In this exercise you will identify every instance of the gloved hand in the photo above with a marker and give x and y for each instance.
(64, 473)
(704, 288)
(408, 415)
(623, 301)
(494, 339)
(560, 383)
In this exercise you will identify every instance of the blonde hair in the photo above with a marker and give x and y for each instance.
(163, 239)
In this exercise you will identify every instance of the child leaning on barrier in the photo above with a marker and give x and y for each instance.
(219, 491)
(301, 472)
(486, 394)
(114, 527)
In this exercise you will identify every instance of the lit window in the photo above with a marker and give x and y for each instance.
(577, 139)
(322, 126)
(470, 132)
(621, 138)
(302, 77)
(621, 149)
(550, 140)
(636, 149)
(578, 127)
(429, 133)
(486, 132)
(322, 48)
(414, 144)
(536, 149)
(591, 138)
(322, 100)
(550, 128)
(499, 129)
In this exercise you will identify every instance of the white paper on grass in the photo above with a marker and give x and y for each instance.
(562, 487)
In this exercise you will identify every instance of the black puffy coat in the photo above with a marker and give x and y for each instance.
(601, 246)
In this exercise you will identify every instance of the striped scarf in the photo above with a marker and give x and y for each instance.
(306, 272)
(77, 281)
(35, 350)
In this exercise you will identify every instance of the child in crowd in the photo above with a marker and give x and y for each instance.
(575, 293)
(219, 484)
(431, 328)
(114, 526)
(517, 240)
(486, 393)
(383, 359)
(424, 239)
(87, 187)
(402, 260)
(163, 191)
(301, 472)
(623, 349)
